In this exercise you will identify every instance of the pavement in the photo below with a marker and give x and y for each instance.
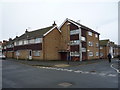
(84, 75)
(57, 63)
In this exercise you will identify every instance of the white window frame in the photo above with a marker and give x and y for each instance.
(83, 38)
(101, 54)
(36, 53)
(20, 42)
(72, 32)
(96, 35)
(89, 33)
(75, 42)
(83, 49)
(101, 47)
(31, 41)
(38, 40)
(90, 53)
(97, 44)
(97, 53)
(90, 43)
(25, 42)
(74, 53)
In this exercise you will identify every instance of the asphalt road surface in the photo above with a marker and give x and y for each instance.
(96, 75)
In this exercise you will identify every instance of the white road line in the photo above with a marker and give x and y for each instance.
(102, 74)
(79, 71)
(112, 75)
(115, 68)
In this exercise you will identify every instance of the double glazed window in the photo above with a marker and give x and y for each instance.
(90, 53)
(83, 49)
(90, 33)
(90, 43)
(101, 47)
(97, 53)
(77, 31)
(36, 53)
(96, 35)
(75, 42)
(74, 53)
(83, 38)
(97, 45)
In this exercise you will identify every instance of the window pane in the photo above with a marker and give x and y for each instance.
(36, 53)
(90, 33)
(90, 53)
(74, 32)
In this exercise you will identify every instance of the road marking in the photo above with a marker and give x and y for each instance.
(112, 75)
(78, 71)
(102, 74)
(115, 68)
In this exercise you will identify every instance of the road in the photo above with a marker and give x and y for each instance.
(96, 75)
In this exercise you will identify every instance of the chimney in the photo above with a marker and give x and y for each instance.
(10, 39)
(26, 31)
(54, 23)
(16, 36)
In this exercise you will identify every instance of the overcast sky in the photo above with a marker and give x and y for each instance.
(16, 16)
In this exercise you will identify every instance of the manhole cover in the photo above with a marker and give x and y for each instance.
(93, 71)
(65, 84)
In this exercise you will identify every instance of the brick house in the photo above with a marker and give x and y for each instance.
(106, 47)
(78, 41)
(71, 40)
(41, 44)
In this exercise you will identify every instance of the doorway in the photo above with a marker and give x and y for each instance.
(30, 54)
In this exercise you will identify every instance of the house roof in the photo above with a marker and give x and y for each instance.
(34, 34)
(104, 42)
(79, 25)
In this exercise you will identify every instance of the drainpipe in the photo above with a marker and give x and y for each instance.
(68, 41)
(80, 45)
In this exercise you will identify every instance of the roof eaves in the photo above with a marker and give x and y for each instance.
(49, 31)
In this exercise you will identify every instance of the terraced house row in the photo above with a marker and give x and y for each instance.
(70, 41)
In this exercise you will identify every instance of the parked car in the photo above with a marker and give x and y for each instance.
(2, 56)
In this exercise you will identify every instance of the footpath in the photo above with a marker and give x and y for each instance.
(57, 63)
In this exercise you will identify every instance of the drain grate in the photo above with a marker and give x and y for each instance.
(93, 71)
(65, 84)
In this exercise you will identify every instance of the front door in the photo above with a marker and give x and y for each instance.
(63, 56)
(30, 55)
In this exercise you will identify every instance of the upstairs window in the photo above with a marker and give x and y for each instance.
(74, 32)
(25, 41)
(38, 40)
(83, 38)
(97, 53)
(97, 45)
(31, 41)
(75, 42)
(90, 43)
(83, 49)
(101, 47)
(101, 54)
(90, 53)
(96, 35)
(74, 53)
(90, 33)
(20, 42)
